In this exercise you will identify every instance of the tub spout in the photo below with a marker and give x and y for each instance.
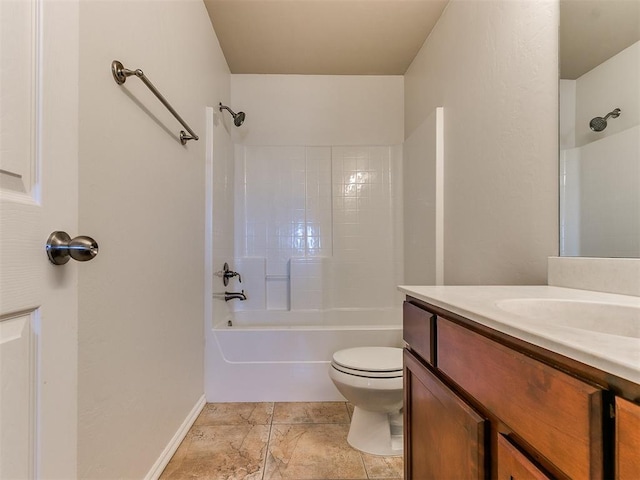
(234, 296)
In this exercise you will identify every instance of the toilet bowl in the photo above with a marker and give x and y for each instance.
(371, 379)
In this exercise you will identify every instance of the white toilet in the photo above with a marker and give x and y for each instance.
(371, 379)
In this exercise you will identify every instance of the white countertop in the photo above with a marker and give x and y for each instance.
(615, 354)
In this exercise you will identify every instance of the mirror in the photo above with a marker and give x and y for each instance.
(599, 147)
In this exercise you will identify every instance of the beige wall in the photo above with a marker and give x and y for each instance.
(319, 109)
(492, 65)
(142, 196)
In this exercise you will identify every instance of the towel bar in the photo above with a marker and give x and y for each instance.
(120, 75)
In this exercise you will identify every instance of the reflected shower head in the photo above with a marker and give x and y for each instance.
(238, 118)
(598, 124)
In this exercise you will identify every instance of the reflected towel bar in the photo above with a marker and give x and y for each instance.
(120, 75)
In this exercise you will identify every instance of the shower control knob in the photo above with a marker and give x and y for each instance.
(61, 247)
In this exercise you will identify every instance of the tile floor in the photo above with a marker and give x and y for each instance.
(275, 441)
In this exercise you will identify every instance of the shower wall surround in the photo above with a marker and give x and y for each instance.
(317, 193)
(316, 226)
(600, 172)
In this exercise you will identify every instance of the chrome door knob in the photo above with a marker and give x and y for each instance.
(61, 247)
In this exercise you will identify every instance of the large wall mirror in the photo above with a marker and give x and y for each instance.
(600, 145)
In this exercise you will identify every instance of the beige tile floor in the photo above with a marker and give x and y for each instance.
(275, 441)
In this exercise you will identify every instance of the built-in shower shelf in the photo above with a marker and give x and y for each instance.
(277, 277)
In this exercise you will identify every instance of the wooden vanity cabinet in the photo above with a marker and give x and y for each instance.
(555, 413)
(627, 440)
(478, 407)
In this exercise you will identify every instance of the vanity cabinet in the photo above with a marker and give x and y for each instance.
(627, 440)
(555, 413)
(487, 406)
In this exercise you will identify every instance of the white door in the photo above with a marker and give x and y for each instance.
(38, 194)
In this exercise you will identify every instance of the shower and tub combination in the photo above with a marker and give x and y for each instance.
(316, 243)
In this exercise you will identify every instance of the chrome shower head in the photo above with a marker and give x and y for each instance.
(238, 118)
(598, 124)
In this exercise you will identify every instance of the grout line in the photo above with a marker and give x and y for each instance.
(266, 453)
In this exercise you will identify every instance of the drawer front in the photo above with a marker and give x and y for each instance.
(418, 330)
(513, 465)
(627, 440)
(558, 415)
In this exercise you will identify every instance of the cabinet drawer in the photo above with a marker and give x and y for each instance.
(514, 465)
(556, 414)
(418, 330)
(627, 440)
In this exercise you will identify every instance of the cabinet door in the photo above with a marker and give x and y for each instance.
(627, 440)
(444, 437)
(556, 414)
(514, 465)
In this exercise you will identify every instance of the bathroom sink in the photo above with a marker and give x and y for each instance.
(609, 318)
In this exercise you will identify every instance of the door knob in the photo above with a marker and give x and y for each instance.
(61, 247)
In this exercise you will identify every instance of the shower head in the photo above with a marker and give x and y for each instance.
(238, 118)
(598, 124)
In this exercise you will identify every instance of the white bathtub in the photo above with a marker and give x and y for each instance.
(284, 356)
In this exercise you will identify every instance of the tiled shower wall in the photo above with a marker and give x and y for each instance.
(318, 227)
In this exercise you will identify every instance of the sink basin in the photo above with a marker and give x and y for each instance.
(610, 318)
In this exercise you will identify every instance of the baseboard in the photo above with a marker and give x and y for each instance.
(173, 445)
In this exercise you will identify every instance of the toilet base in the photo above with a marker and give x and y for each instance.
(376, 433)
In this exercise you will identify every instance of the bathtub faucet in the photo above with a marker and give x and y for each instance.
(234, 295)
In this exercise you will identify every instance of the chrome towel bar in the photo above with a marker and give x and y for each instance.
(120, 75)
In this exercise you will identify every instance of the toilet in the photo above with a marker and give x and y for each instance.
(371, 379)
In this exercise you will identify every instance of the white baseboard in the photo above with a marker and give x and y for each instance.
(173, 445)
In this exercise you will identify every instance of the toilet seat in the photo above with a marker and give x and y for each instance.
(369, 362)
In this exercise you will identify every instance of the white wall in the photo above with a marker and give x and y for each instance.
(422, 200)
(142, 197)
(319, 109)
(493, 66)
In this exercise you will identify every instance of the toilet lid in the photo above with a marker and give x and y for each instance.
(370, 359)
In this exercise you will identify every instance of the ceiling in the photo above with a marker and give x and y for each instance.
(381, 37)
(593, 31)
(322, 37)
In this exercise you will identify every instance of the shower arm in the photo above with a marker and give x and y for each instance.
(615, 114)
(233, 114)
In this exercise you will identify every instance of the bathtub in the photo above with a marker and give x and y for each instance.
(284, 356)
